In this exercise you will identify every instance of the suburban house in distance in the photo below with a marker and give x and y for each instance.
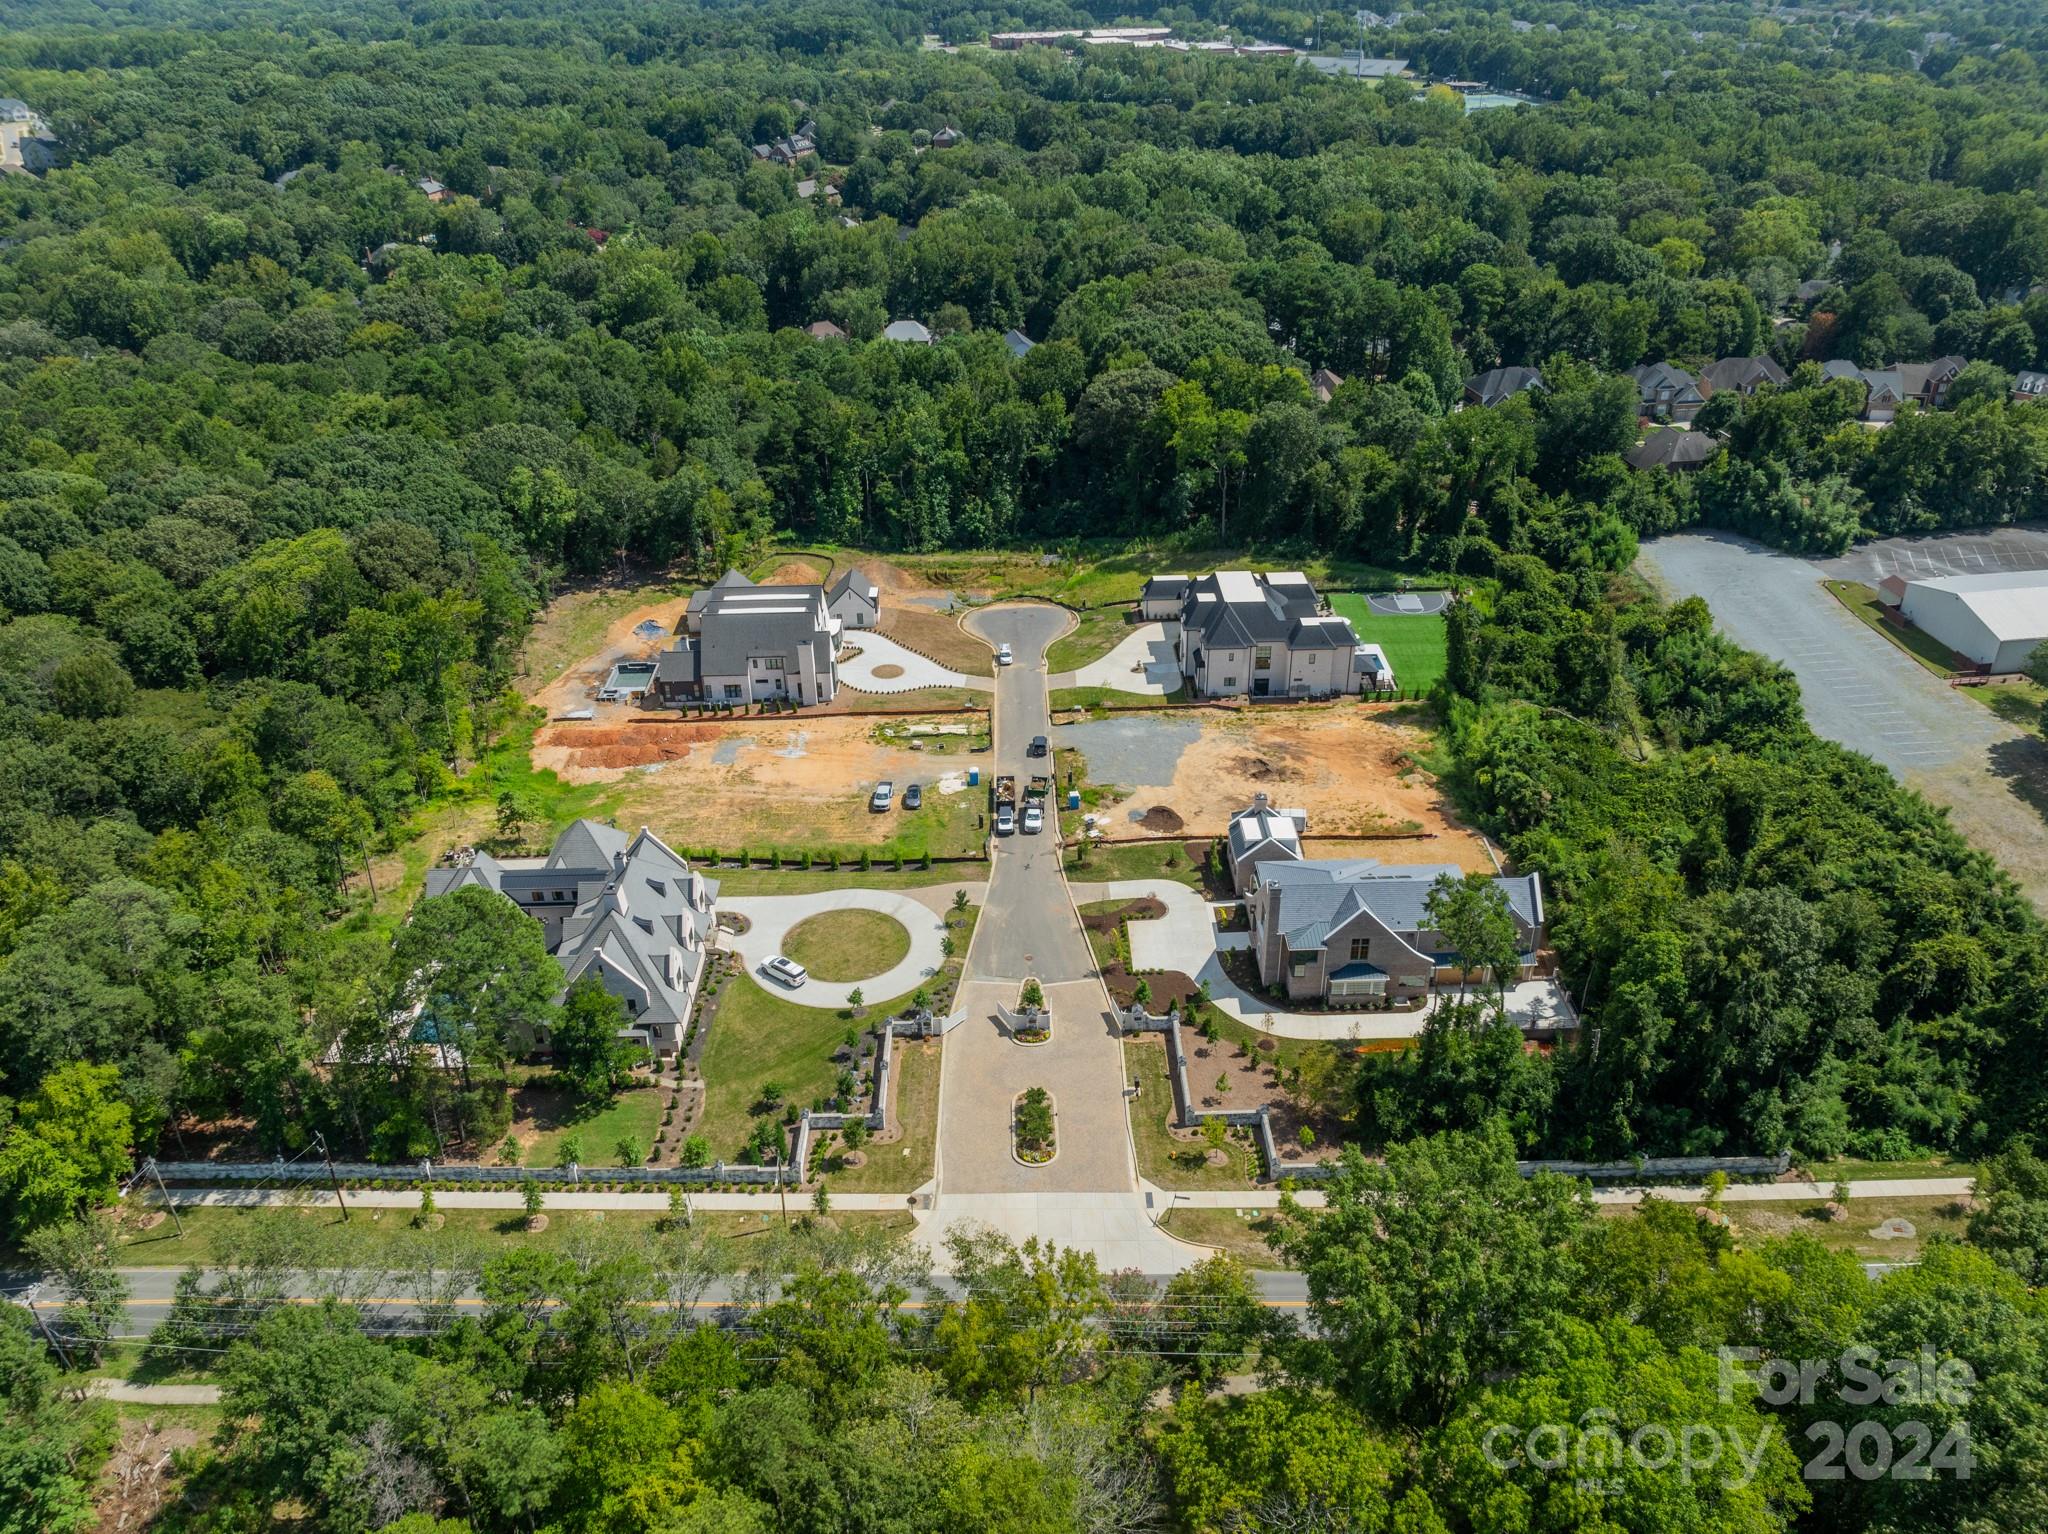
(1744, 375)
(1671, 447)
(1886, 391)
(628, 909)
(1993, 621)
(1666, 392)
(854, 600)
(1499, 385)
(743, 643)
(1356, 932)
(1267, 636)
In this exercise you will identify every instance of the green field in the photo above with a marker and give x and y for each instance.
(1414, 643)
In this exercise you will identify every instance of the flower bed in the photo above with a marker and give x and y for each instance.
(1034, 1127)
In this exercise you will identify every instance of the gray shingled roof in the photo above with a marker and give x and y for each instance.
(1743, 373)
(1314, 899)
(767, 620)
(1502, 384)
(1672, 449)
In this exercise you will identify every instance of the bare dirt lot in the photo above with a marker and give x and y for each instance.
(789, 782)
(577, 686)
(1354, 772)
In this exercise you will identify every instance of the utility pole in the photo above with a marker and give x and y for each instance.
(165, 1194)
(28, 1301)
(333, 1180)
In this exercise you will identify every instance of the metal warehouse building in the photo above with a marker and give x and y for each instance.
(1994, 620)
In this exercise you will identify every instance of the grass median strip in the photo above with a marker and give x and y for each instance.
(847, 944)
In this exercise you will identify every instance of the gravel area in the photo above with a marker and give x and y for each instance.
(1131, 748)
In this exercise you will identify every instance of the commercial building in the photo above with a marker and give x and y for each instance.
(1994, 621)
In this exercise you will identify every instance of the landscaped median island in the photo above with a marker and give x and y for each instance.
(1032, 1021)
(1034, 1127)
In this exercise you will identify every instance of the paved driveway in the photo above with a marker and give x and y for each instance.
(771, 916)
(910, 669)
(1862, 691)
(1142, 662)
(1028, 928)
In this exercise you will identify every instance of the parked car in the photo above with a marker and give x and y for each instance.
(1002, 655)
(880, 798)
(1034, 820)
(787, 971)
(1006, 820)
(1037, 746)
(913, 796)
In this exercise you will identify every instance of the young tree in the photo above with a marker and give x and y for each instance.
(80, 1255)
(696, 1152)
(588, 1050)
(628, 1150)
(530, 1196)
(855, 1134)
(426, 1209)
(1473, 916)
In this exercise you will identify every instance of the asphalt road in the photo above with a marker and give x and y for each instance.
(1030, 927)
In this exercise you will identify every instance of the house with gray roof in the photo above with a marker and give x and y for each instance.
(1667, 392)
(744, 643)
(1160, 601)
(1268, 635)
(1499, 385)
(1743, 375)
(854, 600)
(1259, 834)
(1018, 343)
(907, 330)
(1671, 447)
(2029, 386)
(627, 909)
(1357, 932)
(1886, 391)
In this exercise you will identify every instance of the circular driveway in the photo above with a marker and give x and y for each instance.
(771, 916)
(908, 669)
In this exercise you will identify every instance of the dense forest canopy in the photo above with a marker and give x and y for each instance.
(293, 449)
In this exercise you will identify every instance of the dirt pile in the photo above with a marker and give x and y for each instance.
(1161, 819)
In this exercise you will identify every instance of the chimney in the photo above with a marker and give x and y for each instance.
(1260, 802)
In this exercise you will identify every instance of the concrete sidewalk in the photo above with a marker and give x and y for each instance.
(154, 1395)
(509, 1198)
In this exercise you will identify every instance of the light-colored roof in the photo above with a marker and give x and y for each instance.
(2012, 604)
(906, 330)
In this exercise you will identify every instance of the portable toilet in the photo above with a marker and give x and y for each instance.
(1073, 798)
(974, 777)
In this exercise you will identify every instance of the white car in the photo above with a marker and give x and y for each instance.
(1006, 820)
(884, 792)
(1003, 656)
(1034, 820)
(788, 971)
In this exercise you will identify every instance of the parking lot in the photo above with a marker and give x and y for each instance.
(1933, 554)
(1861, 691)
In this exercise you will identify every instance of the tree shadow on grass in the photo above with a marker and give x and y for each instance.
(2023, 766)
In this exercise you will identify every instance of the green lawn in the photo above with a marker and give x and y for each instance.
(1414, 642)
(1923, 647)
(1096, 632)
(1107, 863)
(1159, 1153)
(908, 1163)
(762, 880)
(936, 699)
(1227, 1230)
(2019, 704)
(367, 1234)
(847, 944)
(1826, 1172)
(1109, 697)
(597, 1129)
(759, 1037)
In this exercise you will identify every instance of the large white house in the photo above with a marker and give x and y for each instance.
(1259, 636)
(744, 643)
